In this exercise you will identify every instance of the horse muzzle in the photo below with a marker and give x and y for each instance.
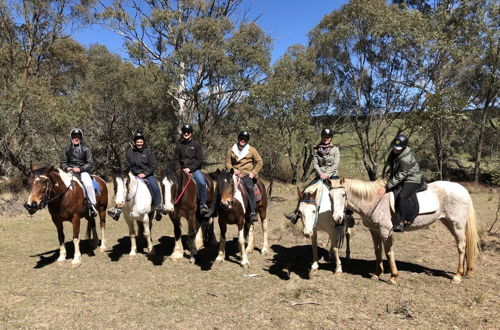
(338, 219)
(227, 205)
(32, 208)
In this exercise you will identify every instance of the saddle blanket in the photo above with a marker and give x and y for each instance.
(256, 191)
(322, 195)
(427, 202)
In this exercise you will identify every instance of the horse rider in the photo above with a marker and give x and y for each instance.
(141, 161)
(404, 176)
(188, 156)
(247, 163)
(326, 160)
(77, 159)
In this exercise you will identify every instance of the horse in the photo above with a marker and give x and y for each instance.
(455, 210)
(132, 195)
(316, 213)
(64, 196)
(231, 209)
(180, 193)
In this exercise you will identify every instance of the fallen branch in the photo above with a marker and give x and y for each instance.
(295, 303)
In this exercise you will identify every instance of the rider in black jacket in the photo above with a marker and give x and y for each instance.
(141, 161)
(77, 159)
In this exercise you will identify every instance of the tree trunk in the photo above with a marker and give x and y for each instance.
(480, 140)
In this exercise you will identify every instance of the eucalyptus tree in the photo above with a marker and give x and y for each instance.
(285, 104)
(39, 67)
(363, 54)
(213, 61)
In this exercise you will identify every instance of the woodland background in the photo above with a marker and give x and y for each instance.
(371, 69)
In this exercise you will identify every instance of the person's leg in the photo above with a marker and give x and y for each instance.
(202, 188)
(406, 209)
(248, 184)
(156, 196)
(89, 189)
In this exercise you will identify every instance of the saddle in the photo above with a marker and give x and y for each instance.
(427, 201)
(256, 191)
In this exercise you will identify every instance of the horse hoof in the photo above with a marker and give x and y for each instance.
(375, 277)
(132, 254)
(250, 251)
(338, 271)
(392, 281)
(76, 264)
(245, 265)
(219, 259)
(456, 280)
(103, 248)
(192, 260)
(264, 252)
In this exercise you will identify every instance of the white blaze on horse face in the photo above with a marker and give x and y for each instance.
(308, 212)
(169, 206)
(339, 201)
(120, 192)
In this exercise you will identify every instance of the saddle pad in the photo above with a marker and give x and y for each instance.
(96, 187)
(427, 202)
(256, 192)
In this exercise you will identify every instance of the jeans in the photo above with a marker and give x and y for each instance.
(153, 184)
(202, 186)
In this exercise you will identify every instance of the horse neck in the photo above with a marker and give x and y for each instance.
(131, 188)
(58, 185)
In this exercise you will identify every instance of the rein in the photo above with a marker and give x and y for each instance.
(183, 190)
(46, 201)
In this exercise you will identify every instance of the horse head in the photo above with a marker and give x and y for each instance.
(226, 188)
(41, 184)
(338, 196)
(121, 186)
(308, 210)
(169, 186)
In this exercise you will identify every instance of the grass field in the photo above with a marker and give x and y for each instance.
(111, 290)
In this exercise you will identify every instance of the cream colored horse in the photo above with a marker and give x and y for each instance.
(316, 214)
(455, 211)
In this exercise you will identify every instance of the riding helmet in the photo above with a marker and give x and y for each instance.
(187, 128)
(327, 132)
(244, 134)
(400, 142)
(76, 132)
(138, 136)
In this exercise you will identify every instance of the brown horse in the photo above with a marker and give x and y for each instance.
(180, 194)
(231, 208)
(64, 197)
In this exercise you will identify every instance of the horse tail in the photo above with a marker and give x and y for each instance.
(471, 240)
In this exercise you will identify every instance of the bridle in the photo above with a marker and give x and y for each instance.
(45, 199)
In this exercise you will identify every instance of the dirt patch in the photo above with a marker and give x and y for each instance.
(112, 290)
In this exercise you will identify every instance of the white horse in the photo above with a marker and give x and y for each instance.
(455, 210)
(133, 197)
(316, 214)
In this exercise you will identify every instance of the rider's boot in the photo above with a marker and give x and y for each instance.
(114, 213)
(293, 217)
(399, 227)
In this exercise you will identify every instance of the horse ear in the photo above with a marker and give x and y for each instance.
(342, 180)
(313, 195)
(299, 193)
(51, 169)
(33, 168)
(231, 171)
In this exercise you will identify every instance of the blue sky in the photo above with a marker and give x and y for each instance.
(287, 22)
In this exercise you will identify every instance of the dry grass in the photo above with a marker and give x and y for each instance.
(111, 290)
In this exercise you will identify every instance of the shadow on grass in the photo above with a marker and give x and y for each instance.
(49, 257)
(298, 260)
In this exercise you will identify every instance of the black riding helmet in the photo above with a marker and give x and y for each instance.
(244, 134)
(187, 128)
(327, 132)
(76, 132)
(138, 136)
(400, 142)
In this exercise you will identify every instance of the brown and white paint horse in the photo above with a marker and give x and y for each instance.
(180, 194)
(231, 210)
(64, 196)
(455, 211)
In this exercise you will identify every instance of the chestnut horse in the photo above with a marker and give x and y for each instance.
(180, 193)
(64, 196)
(231, 208)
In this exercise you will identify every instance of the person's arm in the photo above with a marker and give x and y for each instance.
(89, 161)
(258, 162)
(229, 164)
(316, 164)
(400, 175)
(198, 161)
(65, 160)
(336, 161)
(151, 166)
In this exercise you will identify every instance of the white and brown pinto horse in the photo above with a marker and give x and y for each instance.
(64, 196)
(316, 214)
(133, 197)
(455, 210)
(231, 209)
(180, 193)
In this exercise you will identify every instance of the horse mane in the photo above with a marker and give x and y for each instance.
(364, 190)
(312, 188)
